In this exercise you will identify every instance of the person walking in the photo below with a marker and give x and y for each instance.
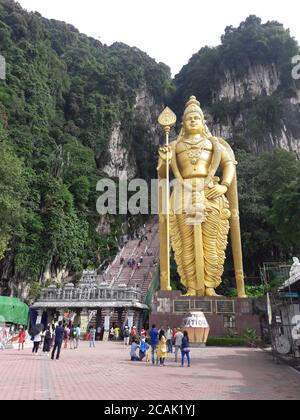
(133, 332)
(36, 343)
(116, 333)
(77, 337)
(162, 348)
(169, 340)
(143, 333)
(126, 336)
(53, 334)
(178, 343)
(66, 336)
(111, 333)
(59, 336)
(3, 337)
(92, 336)
(185, 349)
(21, 338)
(47, 341)
(71, 337)
(154, 343)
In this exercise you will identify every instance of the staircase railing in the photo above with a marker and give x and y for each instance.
(154, 286)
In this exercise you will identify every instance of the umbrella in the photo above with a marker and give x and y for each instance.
(36, 329)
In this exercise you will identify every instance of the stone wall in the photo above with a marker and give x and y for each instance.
(170, 309)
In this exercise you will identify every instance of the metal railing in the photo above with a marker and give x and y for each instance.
(95, 294)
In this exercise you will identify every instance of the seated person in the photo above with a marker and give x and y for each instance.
(133, 349)
(143, 348)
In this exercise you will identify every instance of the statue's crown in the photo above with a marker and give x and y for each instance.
(193, 106)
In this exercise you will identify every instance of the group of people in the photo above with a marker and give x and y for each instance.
(132, 262)
(160, 344)
(9, 335)
(154, 345)
(54, 336)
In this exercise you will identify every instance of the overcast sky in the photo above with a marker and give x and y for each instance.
(170, 31)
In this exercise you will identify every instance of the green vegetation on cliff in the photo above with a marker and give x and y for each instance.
(63, 94)
(251, 44)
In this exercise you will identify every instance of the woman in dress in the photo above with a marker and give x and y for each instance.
(47, 341)
(162, 348)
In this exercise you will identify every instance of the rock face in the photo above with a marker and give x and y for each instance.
(122, 158)
(55, 275)
(149, 110)
(119, 156)
(104, 226)
(260, 80)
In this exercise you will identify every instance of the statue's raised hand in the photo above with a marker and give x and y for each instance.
(165, 153)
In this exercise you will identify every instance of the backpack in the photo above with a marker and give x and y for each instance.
(126, 333)
(48, 335)
(74, 333)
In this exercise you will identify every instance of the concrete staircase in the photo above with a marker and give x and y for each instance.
(122, 274)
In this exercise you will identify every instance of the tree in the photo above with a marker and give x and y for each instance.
(12, 193)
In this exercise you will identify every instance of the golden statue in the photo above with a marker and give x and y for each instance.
(200, 211)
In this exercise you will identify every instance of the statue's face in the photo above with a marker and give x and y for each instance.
(193, 123)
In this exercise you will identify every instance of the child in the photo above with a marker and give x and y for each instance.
(21, 338)
(143, 348)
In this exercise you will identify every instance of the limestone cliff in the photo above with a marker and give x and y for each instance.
(239, 97)
(119, 159)
(258, 80)
(121, 150)
(247, 86)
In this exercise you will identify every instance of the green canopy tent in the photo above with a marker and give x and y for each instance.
(13, 310)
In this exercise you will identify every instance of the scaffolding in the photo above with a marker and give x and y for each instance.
(283, 309)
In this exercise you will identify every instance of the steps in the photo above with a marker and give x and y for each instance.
(141, 278)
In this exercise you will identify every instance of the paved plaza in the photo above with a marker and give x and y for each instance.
(105, 373)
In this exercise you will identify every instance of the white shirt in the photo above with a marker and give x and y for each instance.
(168, 334)
(178, 338)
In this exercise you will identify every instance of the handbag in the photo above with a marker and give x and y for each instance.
(186, 349)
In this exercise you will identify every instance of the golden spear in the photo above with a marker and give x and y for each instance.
(167, 120)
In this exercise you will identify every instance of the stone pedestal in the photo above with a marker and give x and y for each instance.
(224, 315)
(197, 327)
